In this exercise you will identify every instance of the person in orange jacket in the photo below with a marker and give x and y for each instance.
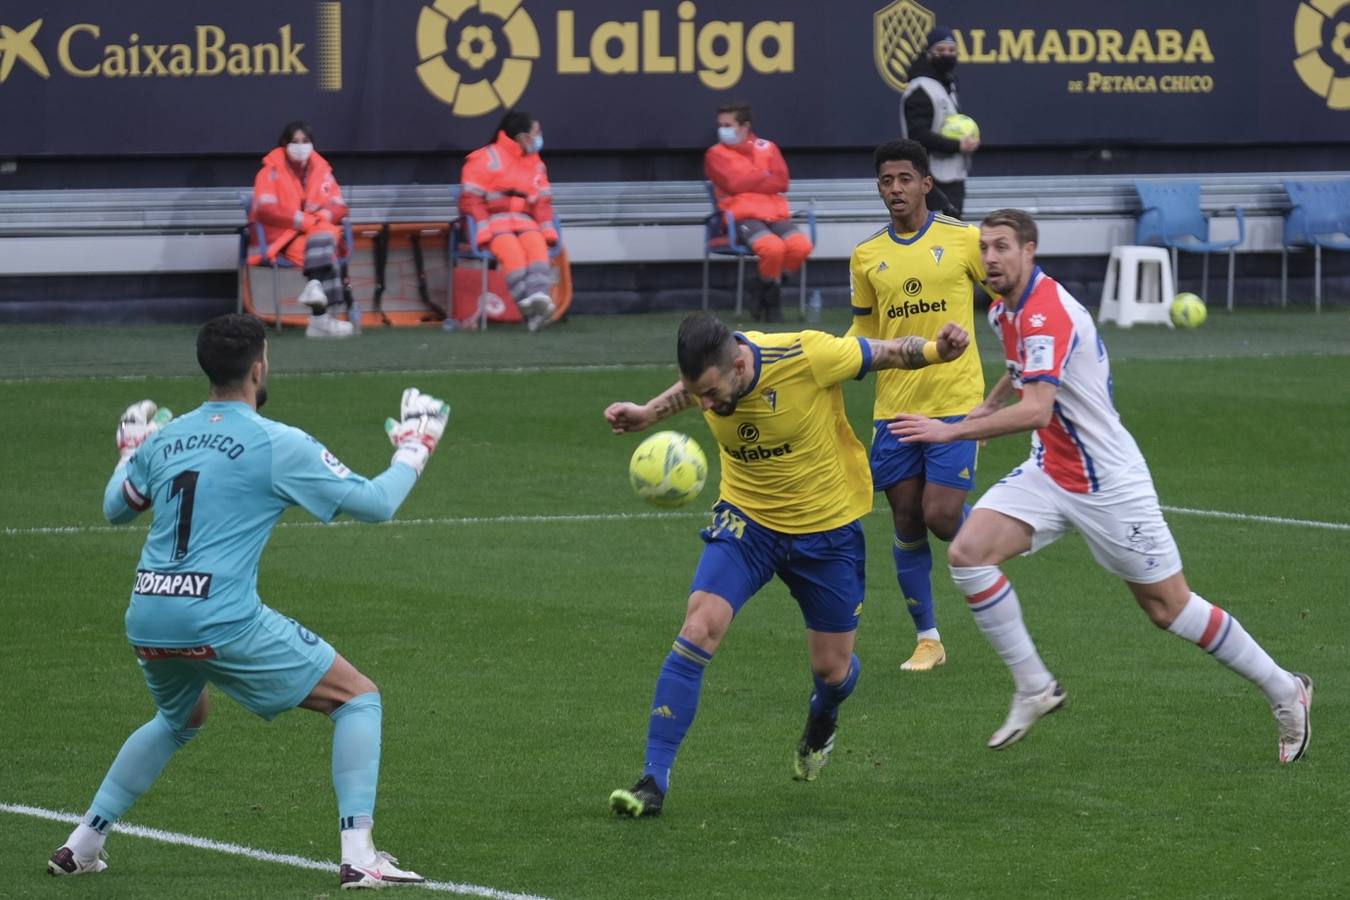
(504, 190)
(300, 206)
(750, 178)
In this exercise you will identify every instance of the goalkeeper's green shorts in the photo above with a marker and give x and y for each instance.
(272, 666)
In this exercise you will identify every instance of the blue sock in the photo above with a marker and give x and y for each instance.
(914, 569)
(827, 697)
(142, 757)
(356, 759)
(673, 707)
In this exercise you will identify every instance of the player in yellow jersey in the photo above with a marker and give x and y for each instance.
(795, 481)
(908, 279)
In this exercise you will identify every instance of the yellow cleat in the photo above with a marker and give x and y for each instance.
(928, 655)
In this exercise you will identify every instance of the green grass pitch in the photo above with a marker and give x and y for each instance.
(517, 648)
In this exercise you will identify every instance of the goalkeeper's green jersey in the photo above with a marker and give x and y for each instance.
(218, 479)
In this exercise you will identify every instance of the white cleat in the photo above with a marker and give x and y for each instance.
(1295, 721)
(65, 862)
(383, 872)
(313, 296)
(1024, 712)
(537, 310)
(327, 325)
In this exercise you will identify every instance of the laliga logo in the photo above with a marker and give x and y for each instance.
(475, 35)
(899, 32)
(1326, 74)
(18, 45)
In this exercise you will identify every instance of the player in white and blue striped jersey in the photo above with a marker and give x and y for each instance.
(218, 480)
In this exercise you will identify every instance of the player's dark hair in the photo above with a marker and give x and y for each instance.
(704, 342)
(228, 346)
(1020, 221)
(291, 128)
(739, 109)
(900, 151)
(516, 122)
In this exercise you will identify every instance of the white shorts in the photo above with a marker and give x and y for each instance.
(1124, 527)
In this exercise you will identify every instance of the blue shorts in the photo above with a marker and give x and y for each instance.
(951, 464)
(269, 668)
(824, 570)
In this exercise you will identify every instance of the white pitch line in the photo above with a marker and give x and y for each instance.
(336, 373)
(1249, 517)
(285, 859)
(454, 521)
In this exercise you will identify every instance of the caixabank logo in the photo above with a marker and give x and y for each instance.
(478, 56)
(1322, 42)
(100, 50)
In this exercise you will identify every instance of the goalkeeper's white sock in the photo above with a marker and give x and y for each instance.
(358, 846)
(85, 842)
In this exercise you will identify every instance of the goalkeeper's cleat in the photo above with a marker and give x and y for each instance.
(383, 872)
(65, 862)
(645, 799)
(928, 655)
(327, 325)
(813, 750)
(314, 296)
(537, 310)
(1295, 721)
(1024, 713)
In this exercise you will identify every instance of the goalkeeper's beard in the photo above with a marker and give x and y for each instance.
(260, 399)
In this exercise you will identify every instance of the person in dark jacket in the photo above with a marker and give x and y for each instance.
(929, 100)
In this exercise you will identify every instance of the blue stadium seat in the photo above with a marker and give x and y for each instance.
(720, 239)
(1172, 218)
(1320, 217)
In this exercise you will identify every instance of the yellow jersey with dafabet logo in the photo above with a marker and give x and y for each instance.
(790, 459)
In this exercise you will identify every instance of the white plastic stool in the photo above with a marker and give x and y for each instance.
(1143, 291)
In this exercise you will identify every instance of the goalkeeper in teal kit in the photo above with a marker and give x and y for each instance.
(218, 480)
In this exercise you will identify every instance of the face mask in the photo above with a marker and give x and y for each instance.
(299, 152)
(729, 135)
(943, 65)
(537, 145)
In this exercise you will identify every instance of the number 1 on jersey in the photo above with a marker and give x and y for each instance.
(184, 483)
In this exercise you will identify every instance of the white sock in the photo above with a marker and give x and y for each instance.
(990, 596)
(358, 847)
(930, 634)
(85, 842)
(1224, 638)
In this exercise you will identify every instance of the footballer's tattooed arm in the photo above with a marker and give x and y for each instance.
(914, 352)
(671, 401)
(626, 417)
(901, 353)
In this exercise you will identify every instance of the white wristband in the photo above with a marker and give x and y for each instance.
(412, 453)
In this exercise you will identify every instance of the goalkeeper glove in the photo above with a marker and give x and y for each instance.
(422, 421)
(139, 422)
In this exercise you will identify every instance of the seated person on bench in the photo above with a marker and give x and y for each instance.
(301, 209)
(504, 189)
(750, 178)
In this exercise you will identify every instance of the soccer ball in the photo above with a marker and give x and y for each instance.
(668, 469)
(958, 126)
(1188, 311)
